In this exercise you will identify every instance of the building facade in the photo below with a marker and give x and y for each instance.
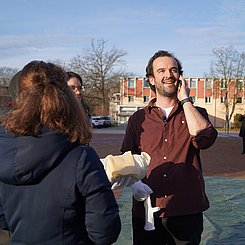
(212, 94)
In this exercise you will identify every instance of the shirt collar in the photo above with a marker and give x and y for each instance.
(152, 104)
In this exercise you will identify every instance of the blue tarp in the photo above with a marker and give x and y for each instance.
(224, 221)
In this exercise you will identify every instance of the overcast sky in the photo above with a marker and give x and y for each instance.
(63, 29)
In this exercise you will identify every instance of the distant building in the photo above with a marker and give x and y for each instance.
(135, 93)
(5, 99)
(4, 95)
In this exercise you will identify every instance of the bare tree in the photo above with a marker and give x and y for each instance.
(60, 63)
(228, 68)
(6, 74)
(101, 69)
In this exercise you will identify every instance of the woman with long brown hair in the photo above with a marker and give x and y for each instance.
(53, 188)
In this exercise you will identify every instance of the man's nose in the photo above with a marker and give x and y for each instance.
(167, 73)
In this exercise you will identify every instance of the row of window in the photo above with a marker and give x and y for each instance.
(193, 83)
(145, 98)
(131, 83)
(208, 99)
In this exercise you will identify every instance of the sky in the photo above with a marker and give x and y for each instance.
(63, 29)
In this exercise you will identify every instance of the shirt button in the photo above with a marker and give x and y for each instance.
(183, 122)
(164, 175)
(165, 196)
(165, 140)
(164, 158)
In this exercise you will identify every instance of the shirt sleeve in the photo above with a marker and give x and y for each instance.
(206, 137)
(101, 210)
(131, 139)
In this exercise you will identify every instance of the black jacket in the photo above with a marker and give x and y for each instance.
(242, 129)
(53, 192)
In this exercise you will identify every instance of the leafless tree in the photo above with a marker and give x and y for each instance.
(60, 63)
(6, 74)
(228, 67)
(101, 69)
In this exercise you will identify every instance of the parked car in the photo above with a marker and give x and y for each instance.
(97, 122)
(107, 121)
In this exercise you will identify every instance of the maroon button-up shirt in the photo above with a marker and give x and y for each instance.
(175, 172)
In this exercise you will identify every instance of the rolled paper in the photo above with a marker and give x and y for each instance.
(126, 165)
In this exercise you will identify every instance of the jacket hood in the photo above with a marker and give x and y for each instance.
(27, 159)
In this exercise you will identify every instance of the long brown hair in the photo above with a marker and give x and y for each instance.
(45, 100)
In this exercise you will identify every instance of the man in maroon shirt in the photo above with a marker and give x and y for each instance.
(172, 131)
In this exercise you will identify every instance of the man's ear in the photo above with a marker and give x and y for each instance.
(151, 80)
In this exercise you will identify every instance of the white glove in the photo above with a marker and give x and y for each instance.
(122, 181)
(149, 217)
(141, 191)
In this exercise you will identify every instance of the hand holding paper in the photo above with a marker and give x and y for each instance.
(122, 181)
(141, 191)
(124, 170)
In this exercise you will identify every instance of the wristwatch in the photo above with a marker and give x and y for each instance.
(182, 102)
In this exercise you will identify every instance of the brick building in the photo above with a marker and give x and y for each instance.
(5, 99)
(135, 93)
(4, 96)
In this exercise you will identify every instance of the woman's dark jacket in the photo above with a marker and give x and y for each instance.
(53, 192)
(242, 129)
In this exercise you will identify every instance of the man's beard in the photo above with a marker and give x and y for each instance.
(170, 93)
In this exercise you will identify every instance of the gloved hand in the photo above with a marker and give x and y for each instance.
(149, 214)
(141, 191)
(122, 181)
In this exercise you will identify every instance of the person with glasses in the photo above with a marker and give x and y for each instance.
(75, 82)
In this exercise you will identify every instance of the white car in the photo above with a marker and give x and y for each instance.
(97, 122)
(107, 121)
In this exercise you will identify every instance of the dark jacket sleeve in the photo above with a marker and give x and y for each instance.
(101, 210)
(3, 223)
(242, 129)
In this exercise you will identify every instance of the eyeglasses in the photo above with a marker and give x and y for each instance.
(80, 88)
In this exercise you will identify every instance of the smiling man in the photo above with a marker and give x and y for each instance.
(172, 131)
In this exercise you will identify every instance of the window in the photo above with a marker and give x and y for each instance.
(146, 99)
(127, 109)
(239, 100)
(130, 98)
(208, 83)
(222, 99)
(130, 82)
(223, 83)
(240, 84)
(146, 83)
(208, 99)
(193, 82)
